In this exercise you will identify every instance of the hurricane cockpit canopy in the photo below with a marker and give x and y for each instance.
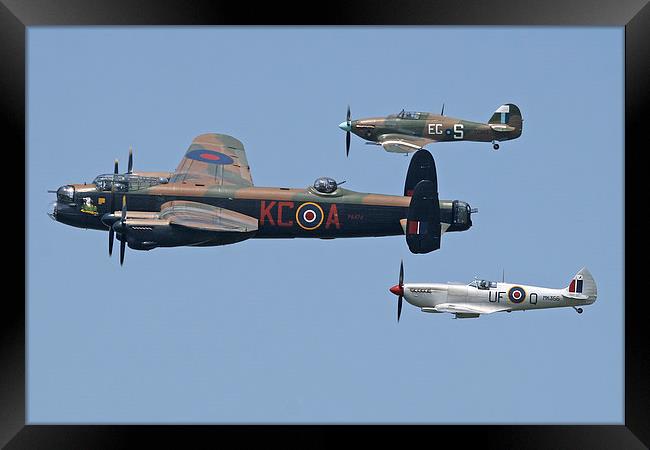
(409, 114)
(483, 284)
(325, 185)
(126, 182)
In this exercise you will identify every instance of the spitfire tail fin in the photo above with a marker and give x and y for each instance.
(509, 115)
(582, 284)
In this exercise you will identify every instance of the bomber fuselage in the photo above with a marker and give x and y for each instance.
(281, 212)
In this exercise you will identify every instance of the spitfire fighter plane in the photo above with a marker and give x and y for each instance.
(210, 200)
(410, 131)
(487, 297)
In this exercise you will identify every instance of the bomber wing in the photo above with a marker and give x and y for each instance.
(214, 159)
(199, 216)
(400, 143)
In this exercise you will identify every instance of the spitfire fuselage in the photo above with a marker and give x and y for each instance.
(427, 296)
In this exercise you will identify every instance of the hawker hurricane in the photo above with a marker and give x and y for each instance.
(409, 131)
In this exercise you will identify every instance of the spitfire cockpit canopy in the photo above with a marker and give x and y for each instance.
(125, 182)
(325, 185)
(483, 284)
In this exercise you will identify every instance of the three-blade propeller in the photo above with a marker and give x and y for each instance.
(117, 225)
(122, 224)
(347, 133)
(111, 232)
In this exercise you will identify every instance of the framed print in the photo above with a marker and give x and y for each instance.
(298, 337)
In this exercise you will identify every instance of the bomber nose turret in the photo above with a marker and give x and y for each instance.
(51, 210)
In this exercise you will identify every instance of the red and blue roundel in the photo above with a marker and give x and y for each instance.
(516, 294)
(209, 156)
(309, 216)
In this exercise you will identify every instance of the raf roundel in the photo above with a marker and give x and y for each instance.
(309, 216)
(516, 294)
(209, 156)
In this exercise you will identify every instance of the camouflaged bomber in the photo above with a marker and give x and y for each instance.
(210, 200)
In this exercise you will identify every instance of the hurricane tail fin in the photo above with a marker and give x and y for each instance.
(507, 117)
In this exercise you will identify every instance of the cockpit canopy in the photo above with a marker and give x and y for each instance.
(483, 284)
(126, 182)
(409, 114)
(325, 185)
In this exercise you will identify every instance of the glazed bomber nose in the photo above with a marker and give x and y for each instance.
(51, 210)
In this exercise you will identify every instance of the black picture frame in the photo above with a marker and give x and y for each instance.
(634, 15)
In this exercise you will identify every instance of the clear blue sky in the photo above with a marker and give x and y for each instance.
(293, 331)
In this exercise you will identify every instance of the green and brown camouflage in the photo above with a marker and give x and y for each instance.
(210, 199)
(409, 131)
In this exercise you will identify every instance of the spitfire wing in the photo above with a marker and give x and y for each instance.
(199, 216)
(214, 159)
(469, 308)
(399, 143)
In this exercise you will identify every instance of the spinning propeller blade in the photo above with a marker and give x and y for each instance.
(130, 167)
(122, 221)
(111, 237)
(122, 249)
(398, 289)
(111, 232)
(401, 291)
(347, 133)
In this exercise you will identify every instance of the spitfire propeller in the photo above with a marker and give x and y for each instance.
(398, 289)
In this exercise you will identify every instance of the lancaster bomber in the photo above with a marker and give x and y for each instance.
(409, 131)
(487, 297)
(210, 200)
